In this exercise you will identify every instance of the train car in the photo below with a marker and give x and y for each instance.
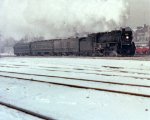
(65, 46)
(22, 49)
(73, 46)
(86, 46)
(117, 42)
(43, 47)
(70, 46)
(142, 50)
(58, 47)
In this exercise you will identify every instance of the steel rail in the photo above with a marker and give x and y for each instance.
(79, 79)
(81, 87)
(29, 112)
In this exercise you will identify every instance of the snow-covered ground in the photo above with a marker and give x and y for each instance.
(68, 103)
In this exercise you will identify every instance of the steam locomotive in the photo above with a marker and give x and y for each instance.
(114, 43)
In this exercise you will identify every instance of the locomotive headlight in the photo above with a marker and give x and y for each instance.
(127, 37)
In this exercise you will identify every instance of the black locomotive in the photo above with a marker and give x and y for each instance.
(114, 43)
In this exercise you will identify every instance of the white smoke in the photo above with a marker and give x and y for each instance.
(60, 18)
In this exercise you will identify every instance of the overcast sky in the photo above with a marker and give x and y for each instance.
(139, 12)
(63, 18)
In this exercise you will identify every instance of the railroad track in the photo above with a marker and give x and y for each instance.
(103, 74)
(28, 112)
(78, 79)
(81, 86)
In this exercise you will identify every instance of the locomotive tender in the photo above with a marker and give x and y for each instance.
(117, 42)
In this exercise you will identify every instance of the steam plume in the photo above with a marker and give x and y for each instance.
(60, 18)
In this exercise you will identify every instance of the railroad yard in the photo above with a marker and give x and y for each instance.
(63, 88)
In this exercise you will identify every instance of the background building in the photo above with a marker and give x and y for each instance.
(142, 39)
